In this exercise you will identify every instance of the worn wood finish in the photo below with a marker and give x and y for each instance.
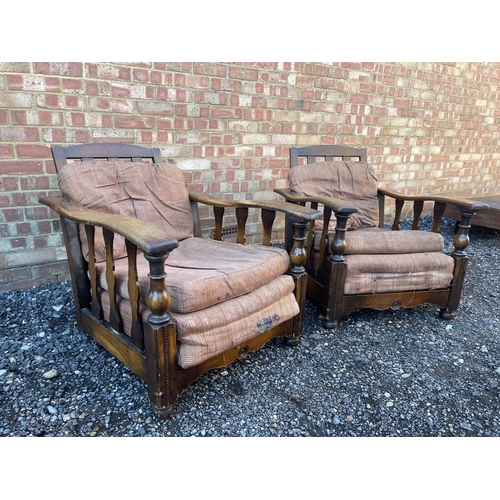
(327, 287)
(104, 151)
(489, 218)
(151, 350)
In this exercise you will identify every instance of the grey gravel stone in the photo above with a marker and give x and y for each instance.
(436, 373)
(50, 374)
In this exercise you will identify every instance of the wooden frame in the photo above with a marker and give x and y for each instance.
(487, 218)
(151, 349)
(328, 287)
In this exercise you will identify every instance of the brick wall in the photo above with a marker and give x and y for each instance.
(428, 128)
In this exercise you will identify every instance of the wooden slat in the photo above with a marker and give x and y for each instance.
(268, 217)
(439, 209)
(96, 303)
(418, 206)
(137, 333)
(312, 153)
(219, 216)
(241, 217)
(397, 215)
(114, 317)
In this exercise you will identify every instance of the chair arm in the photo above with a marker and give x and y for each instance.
(461, 203)
(337, 205)
(144, 235)
(305, 213)
(213, 200)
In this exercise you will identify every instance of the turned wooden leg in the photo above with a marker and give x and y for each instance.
(335, 273)
(160, 341)
(460, 242)
(298, 258)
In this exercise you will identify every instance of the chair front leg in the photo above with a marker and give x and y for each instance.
(335, 273)
(298, 257)
(460, 242)
(160, 341)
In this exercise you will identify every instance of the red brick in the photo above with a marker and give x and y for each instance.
(112, 105)
(211, 69)
(37, 213)
(304, 81)
(18, 242)
(14, 67)
(134, 122)
(77, 119)
(6, 151)
(243, 73)
(21, 167)
(40, 242)
(105, 72)
(32, 151)
(12, 100)
(61, 69)
(72, 85)
(35, 182)
(61, 102)
(225, 112)
(15, 275)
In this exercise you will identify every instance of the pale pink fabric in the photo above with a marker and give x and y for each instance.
(352, 181)
(203, 272)
(155, 193)
(204, 334)
(376, 240)
(398, 272)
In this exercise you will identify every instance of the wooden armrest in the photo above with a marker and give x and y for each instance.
(213, 200)
(461, 203)
(299, 211)
(275, 205)
(338, 206)
(142, 234)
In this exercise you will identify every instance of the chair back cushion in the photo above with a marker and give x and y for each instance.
(352, 181)
(155, 193)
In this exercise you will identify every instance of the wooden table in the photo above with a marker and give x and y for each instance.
(487, 218)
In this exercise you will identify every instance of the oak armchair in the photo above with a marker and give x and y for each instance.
(353, 262)
(167, 303)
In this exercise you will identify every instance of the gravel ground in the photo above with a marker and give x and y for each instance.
(392, 373)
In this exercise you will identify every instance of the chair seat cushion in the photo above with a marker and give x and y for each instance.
(376, 240)
(203, 272)
(155, 193)
(212, 331)
(206, 333)
(397, 272)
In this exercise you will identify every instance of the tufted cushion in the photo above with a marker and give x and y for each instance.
(204, 334)
(395, 273)
(352, 181)
(377, 240)
(202, 272)
(154, 193)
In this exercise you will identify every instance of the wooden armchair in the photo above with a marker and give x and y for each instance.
(353, 262)
(165, 302)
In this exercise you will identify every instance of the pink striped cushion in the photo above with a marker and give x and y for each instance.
(156, 193)
(395, 273)
(378, 240)
(204, 334)
(203, 272)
